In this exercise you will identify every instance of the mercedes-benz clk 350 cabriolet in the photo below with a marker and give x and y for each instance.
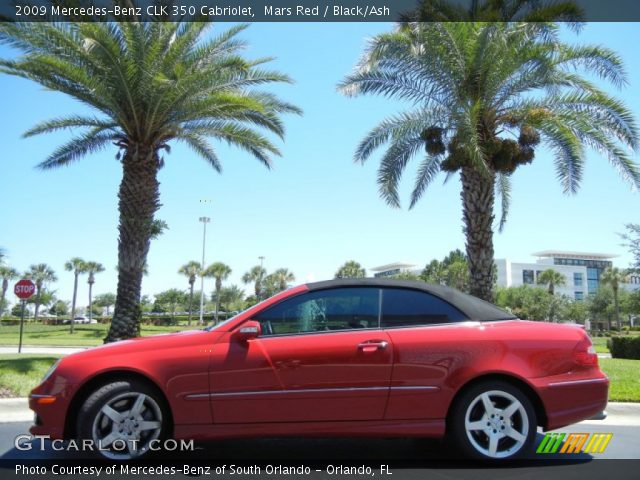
(365, 357)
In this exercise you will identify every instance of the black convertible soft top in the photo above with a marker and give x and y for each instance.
(472, 307)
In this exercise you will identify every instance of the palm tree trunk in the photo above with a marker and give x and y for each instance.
(218, 288)
(90, 303)
(477, 206)
(73, 301)
(37, 303)
(138, 202)
(5, 286)
(617, 307)
(190, 303)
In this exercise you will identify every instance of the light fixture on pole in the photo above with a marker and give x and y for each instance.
(204, 220)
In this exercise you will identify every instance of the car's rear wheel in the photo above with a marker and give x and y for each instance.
(493, 421)
(123, 419)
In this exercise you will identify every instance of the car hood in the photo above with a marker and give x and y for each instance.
(153, 342)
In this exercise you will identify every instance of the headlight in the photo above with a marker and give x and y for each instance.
(50, 371)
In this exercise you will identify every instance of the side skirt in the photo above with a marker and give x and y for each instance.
(405, 428)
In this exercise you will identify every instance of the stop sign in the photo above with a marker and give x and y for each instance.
(24, 289)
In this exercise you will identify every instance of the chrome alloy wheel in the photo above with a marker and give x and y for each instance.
(126, 425)
(496, 424)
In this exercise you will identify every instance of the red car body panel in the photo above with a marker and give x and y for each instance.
(378, 382)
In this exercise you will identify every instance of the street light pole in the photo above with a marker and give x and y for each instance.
(261, 258)
(204, 220)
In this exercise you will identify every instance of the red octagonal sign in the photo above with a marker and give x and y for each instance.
(24, 289)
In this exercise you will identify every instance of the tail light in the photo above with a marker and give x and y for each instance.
(585, 354)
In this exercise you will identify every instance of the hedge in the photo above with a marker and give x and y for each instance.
(625, 347)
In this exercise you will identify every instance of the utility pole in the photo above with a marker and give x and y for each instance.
(204, 220)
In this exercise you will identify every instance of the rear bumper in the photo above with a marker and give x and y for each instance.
(568, 400)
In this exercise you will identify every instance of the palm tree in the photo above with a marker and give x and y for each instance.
(220, 272)
(106, 300)
(229, 297)
(614, 277)
(7, 274)
(191, 270)
(41, 274)
(351, 269)
(150, 84)
(552, 278)
(486, 95)
(255, 275)
(283, 277)
(78, 266)
(92, 269)
(492, 10)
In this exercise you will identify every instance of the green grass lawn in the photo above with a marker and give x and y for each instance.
(59, 336)
(625, 379)
(600, 343)
(19, 373)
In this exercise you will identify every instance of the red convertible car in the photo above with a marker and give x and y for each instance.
(361, 357)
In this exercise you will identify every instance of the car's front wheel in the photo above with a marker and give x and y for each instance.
(493, 421)
(123, 419)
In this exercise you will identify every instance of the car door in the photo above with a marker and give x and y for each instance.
(426, 332)
(321, 356)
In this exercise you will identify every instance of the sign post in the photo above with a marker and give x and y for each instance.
(24, 290)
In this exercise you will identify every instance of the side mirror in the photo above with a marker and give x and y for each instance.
(247, 331)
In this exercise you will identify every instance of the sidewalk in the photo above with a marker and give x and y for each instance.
(626, 414)
(47, 350)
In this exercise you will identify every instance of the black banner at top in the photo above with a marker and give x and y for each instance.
(320, 10)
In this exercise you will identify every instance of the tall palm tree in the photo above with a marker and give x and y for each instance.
(191, 270)
(255, 275)
(220, 272)
(78, 266)
(7, 274)
(351, 269)
(614, 277)
(92, 269)
(494, 10)
(283, 278)
(485, 96)
(41, 274)
(149, 84)
(552, 279)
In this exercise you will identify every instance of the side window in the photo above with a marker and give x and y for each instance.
(402, 307)
(324, 310)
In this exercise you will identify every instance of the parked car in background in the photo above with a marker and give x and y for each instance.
(358, 357)
(79, 319)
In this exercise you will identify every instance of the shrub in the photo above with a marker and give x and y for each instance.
(625, 347)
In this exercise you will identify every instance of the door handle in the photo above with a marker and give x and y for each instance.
(372, 346)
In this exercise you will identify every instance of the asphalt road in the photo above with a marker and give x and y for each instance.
(625, 444)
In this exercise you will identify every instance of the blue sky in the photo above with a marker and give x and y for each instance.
(316, 208)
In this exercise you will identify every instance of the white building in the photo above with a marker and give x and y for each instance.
(582, 271)
(394, 269)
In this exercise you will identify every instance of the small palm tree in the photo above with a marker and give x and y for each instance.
(149, 84)
(351, 269)
(191, 270)
(41, 274)
(486, 95)
(92, 268)
(78, 266)
(552, 279)
(220, 272)
(255, 275)
(283, 278)
(614, 277)
(7, 274)
(106, 300)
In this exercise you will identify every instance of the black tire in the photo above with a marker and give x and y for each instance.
(115, 436)
(502, 437)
